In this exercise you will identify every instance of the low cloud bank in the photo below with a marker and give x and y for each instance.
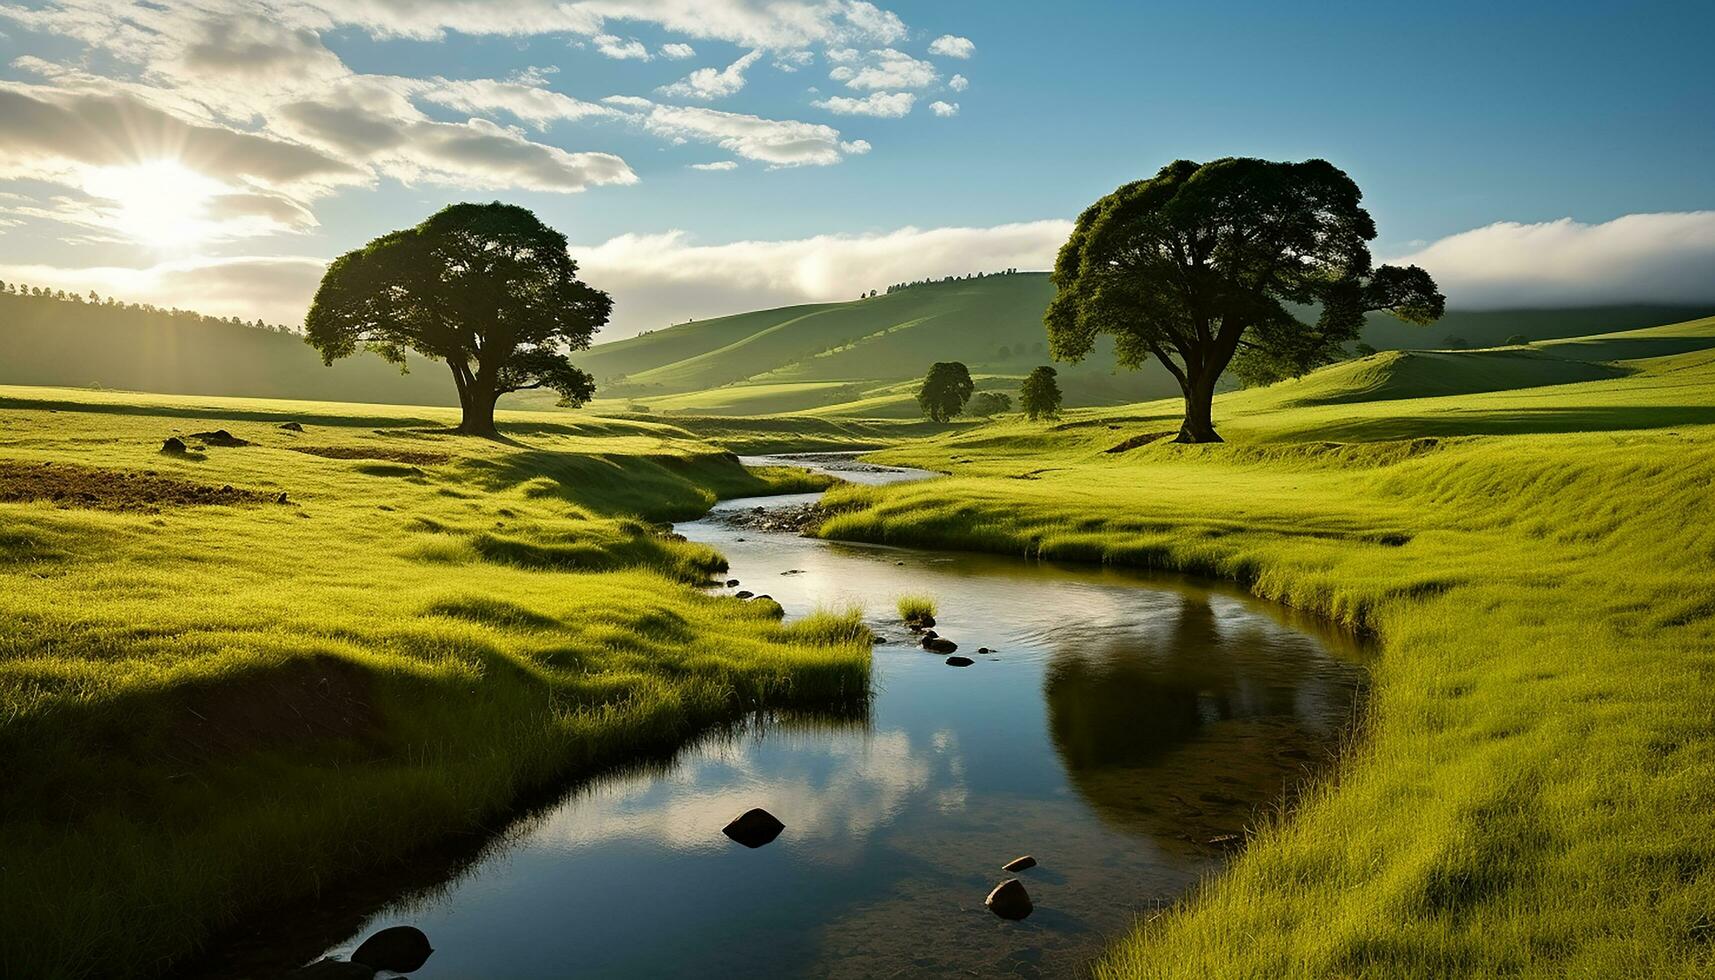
(1664, 257)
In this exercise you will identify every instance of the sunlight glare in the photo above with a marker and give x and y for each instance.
(162, 202)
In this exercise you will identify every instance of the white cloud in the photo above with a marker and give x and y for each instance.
(781, 142)
(620, 49)
(527, 99)
(717, 165)
(958, 83)
(887, 105)
(952, 46)
(883, 69)
(710, 83)
(678, 52)
(665, 278)
(944, 109)
(791, 61)
(1665, 257)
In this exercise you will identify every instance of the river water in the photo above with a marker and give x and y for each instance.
(1126, 724)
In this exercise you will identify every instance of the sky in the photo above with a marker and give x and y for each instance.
(711, 156)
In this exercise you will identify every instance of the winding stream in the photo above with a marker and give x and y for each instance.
(1126, 724)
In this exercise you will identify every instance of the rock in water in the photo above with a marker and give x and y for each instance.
(1024, 863)
(397, 948)
(959, 661)
(1009, 900)
(936, 644)
(742, 594)
(754, 828)
(731, 582)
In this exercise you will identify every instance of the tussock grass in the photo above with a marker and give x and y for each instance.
(1534, 791)
(205, 710)
(915, 607)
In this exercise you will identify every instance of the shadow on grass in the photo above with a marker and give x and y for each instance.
(1513, 421)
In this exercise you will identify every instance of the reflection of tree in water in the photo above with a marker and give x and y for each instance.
(1180, 732)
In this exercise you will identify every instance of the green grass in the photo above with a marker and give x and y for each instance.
(1532, 790)
(916, 607)
(214, 709)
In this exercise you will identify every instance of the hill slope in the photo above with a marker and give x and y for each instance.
(50, 341)
(848, 358)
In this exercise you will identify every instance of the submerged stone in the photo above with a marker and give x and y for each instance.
(936, 644)
(754, 828)
(959, 661)
(397, 948)
(1009, 900)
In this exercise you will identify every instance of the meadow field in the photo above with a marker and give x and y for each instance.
(236, 676)
(1532, 789)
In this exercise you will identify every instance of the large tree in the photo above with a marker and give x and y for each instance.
(1205, 261)
(945, 390)
(487, 289)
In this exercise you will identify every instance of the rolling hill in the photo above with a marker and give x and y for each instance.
(858, 359)
(861, 358)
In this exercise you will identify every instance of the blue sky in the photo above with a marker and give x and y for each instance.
(1453, 117)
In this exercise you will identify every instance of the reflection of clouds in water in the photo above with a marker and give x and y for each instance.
(832, 790)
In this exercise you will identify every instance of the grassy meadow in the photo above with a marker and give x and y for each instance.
(216, 702)
(1532, 791)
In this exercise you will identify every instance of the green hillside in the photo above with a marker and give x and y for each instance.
(852, 358)
(51, 341)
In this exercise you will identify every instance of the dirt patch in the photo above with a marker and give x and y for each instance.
(309, 698)
(363, 452)
(220, 437)
(70, 485)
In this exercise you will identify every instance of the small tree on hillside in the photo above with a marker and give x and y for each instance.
(1039, 396)
(1203, 260)
(945, 390)
(986, 403)
(486, 289)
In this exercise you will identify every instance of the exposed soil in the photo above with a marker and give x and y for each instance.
(362, 452)
(71, 485)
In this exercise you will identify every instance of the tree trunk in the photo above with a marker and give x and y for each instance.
(1199, 423)
(476, 400)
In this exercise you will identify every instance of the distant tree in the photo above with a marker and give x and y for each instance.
(945, 390)
(1518, 340)
(1362, 349)
(487, 289)
(1455, 342)
(986, 403)
(1039, 396)
(1202, 260)
(1004, 354)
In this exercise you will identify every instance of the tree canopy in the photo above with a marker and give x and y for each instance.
(986, 403)
(1039, 396)
(488, 289)
(945, 390)
(1204, 261)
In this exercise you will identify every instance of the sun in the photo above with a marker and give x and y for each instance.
(161, 203)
